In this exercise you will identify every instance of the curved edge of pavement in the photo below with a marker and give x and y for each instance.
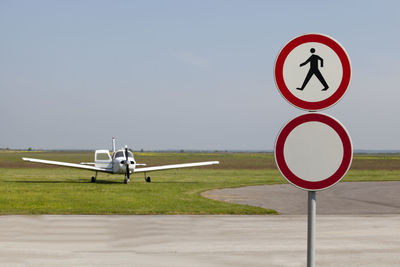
(356, 198)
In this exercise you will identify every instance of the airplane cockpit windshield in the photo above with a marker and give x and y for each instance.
(120, 154)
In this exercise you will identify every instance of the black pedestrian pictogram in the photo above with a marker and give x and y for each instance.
(313, 60)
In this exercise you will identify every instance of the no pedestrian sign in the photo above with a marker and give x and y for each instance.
(313, 151)
(312, 72)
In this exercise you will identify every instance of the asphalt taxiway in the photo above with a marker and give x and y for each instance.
(353, 198)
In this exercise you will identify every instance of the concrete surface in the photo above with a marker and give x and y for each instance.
(344, 198)
(197, 240)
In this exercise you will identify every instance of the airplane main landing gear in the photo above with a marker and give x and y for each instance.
(94, 178)
(147, 179)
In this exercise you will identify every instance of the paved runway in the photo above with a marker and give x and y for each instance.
(344, 198)
(277, 240)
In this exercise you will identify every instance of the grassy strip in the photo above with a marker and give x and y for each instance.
(372, 175)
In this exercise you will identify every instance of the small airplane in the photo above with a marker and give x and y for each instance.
(119, 162)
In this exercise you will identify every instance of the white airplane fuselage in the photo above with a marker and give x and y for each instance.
(116, 161)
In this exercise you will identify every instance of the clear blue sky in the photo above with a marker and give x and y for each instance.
(184, 74)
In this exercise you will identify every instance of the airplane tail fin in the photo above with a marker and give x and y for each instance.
(113, 144)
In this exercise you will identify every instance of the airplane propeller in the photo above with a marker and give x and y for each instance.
(127, 162)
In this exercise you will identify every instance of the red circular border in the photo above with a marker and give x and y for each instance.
(344, 165)
(318, 38)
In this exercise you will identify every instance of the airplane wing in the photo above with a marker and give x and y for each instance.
(175, 166)
(66, 164)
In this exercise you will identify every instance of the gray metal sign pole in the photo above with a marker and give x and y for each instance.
(312, 213)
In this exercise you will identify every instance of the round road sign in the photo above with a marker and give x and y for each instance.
(313, 151)
(312, 72)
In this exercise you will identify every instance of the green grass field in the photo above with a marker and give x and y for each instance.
(27, 188)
